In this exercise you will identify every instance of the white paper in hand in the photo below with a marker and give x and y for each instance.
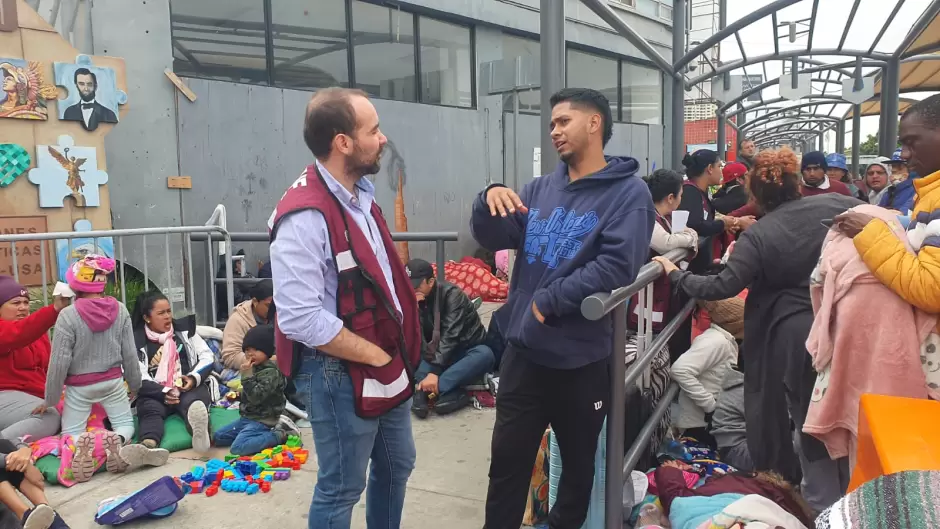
(63, 289)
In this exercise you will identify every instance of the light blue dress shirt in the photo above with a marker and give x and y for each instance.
(304, 275)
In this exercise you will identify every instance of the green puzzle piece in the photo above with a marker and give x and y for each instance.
(14, 161)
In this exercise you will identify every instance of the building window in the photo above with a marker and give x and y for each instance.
(384, 51)
(529, 53)
(641, 94)
(295, 44)
(586, 70)
(310, 45)
(665, 12)
(218, 40)
(446, 63)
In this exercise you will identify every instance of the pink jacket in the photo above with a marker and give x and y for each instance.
(864, 339)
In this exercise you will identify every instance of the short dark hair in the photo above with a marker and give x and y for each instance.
(143, 306)
(928, 109)
(742, 139)
(329, 114)
(664, 182)
(586, 97)
(696, 163)
(262, 290)
(86, 71)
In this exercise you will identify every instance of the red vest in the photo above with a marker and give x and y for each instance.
(363, 299)
(662, 294)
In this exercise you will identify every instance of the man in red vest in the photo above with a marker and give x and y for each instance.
(347, 317)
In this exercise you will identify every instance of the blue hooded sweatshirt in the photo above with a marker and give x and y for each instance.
(578, 238)
(900, 196)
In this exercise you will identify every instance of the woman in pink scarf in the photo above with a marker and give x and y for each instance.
(175, 364)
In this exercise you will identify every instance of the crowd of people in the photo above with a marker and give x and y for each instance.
(366, 341)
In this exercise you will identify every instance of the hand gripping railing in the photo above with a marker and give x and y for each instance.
(618, 497)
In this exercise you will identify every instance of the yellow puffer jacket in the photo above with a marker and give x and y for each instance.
(916, 278)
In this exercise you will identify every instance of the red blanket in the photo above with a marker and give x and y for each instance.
(475, 279)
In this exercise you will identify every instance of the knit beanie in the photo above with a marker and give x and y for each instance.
(261, 338)
(727, 314)
(814, 158)
(90, 274)
(10, 289)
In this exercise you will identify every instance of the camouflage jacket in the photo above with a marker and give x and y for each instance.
(262, 396)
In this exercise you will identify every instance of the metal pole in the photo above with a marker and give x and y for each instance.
(856, 137)
(891, 88)
(678, 87)
(552, 43)
(721, 140)
(616, 416)
(515, 135)
(840, 136)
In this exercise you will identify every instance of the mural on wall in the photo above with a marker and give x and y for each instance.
(67, 254)
(25, 90)
(93, 95)
(14, 161)
(66, 170)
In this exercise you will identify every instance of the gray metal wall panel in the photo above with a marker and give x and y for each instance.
(657, 157)
(244, 146)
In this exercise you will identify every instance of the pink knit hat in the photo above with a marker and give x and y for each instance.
(90, 274)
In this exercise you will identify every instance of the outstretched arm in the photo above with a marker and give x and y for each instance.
(742, 268)
(500, 230)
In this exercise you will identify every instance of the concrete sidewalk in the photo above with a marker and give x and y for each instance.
(446, 489)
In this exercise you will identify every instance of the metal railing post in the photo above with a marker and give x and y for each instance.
(616, 418)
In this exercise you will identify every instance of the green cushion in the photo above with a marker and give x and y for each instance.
(175, 438)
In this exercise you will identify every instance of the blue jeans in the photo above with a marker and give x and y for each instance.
(246, 437)
(345, 444)
(469, 366)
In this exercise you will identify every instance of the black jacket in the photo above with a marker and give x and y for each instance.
(461, 327)
(730, 197)
(99, 114)
(195, 357)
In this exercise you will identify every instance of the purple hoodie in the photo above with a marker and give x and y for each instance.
(98, 313)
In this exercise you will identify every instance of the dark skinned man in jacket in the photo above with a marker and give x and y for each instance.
(454, 353)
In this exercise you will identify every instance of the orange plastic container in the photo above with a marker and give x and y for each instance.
(895, 434)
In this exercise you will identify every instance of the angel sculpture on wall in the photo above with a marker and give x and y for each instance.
(73, 166)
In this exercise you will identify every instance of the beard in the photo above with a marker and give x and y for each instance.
(362, 164)
(86, 97)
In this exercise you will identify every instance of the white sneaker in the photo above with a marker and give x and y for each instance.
(138, 455)
(287, 426)
(198, 417)
(39, 517)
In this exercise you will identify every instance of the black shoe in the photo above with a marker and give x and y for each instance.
(451, 402)
(419, 405)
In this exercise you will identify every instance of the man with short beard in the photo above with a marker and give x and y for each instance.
(348, 332)
(746, 152)
(88, 111)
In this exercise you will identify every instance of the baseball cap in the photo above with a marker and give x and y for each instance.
(732, 171)
(896, 157)
(418, 270)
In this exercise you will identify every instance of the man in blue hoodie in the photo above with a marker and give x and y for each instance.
(584, 228)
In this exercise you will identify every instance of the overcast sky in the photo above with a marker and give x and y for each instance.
(831, 20)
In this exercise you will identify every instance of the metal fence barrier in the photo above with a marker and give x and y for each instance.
(439, 238)
(620, 462)
(180, 283)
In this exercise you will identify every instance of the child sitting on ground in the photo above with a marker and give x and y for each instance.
(17, 473)
(93, 354)
(262, 400)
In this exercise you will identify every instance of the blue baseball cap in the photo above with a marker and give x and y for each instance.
(837, 160)
(896, 157)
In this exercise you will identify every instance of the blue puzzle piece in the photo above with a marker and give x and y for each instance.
(67, 170)
(93, 95)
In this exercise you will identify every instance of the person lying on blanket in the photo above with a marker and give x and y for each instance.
(17, 473)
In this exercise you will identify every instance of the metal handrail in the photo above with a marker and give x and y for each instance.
(618, 507)
(596, 306)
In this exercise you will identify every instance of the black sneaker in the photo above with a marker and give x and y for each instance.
(451, 402)
(39, 517)
(419, 405)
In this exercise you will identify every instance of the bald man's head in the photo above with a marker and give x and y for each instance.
(330, 113)
(342, 121)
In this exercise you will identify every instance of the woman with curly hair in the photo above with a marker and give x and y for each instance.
(774, 260)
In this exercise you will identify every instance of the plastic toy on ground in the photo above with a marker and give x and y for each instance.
(155, 500)
(247, 474)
